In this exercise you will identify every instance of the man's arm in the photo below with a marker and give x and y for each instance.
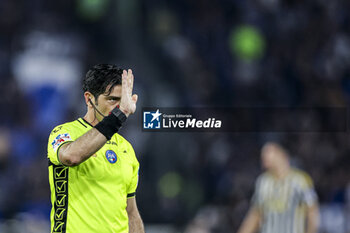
(251, 222)
(312, 219)
(74, 153)
(135, 221)
(309, 198)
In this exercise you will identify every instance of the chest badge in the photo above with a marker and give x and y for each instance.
(111, 156)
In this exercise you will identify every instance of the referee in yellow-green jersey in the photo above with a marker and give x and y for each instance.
(284, 200)
(93, 171)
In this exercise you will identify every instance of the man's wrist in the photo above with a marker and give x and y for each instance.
(117, 112)
(111, 123)
(126, 112)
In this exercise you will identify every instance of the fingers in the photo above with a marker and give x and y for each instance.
(131, 80)
(124, 83)
(127, 82)
(134, 98)
(128, 100)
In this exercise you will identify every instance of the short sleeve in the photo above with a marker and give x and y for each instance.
(59, 136)
(307, 191)
(135, 176)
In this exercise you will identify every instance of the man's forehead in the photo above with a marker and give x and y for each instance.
(115, 90)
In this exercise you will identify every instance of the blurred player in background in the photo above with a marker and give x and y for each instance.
(93, 171)
(284, 200)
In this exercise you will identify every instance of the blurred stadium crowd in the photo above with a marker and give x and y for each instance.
(184, 53)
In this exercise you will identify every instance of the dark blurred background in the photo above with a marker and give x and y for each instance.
(184, 53)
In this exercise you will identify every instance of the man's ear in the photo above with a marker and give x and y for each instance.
(88, 98)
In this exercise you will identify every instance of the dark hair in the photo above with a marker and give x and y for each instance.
(99, 77)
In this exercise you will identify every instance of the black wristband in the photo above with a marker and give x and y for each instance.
(111, 123)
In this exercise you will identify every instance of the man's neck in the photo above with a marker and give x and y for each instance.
(281, 172)
(91, 118)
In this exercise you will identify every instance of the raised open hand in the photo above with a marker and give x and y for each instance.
(128, 100)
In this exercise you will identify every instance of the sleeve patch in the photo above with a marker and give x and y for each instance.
(61, 138)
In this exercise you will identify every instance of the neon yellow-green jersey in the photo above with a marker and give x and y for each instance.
(91, 197)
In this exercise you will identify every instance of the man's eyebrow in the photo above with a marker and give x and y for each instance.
(113, 97)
